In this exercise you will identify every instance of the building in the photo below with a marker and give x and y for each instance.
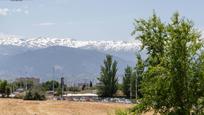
(25, 80)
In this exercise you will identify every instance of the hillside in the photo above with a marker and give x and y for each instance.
(72, 63)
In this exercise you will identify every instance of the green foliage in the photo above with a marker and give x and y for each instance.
(36, 93)
(122, 112)
(4, 88)
(48, 85)
(152, 34)
(28, 96)
(139, 69)
(74, 89)
(131, 75)
(59, 91)
(173, 82)
(133, 85)
(120, 86)
(108, 81)
(126, 81)
(8, 90)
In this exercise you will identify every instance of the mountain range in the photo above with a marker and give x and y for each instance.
(43, 42)
(75, 60)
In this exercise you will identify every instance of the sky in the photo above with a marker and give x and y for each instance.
(89, 19)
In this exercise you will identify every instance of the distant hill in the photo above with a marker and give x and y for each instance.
(73, 58)
(73, 63)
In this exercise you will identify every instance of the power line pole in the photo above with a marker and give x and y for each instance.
(62, 86)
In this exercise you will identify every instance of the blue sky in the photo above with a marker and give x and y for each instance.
(88, 19)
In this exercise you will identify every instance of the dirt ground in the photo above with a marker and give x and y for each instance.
(21, 107)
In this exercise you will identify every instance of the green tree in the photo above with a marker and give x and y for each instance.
(3, 85)
(139, 69)
(133, 84)
(108, 81)
(8, 90)
(48, 85)
(172, 82)
(126, 81)
(28, 96)
(136, 77)
(152, 33)
(59, 91)
(36, 93)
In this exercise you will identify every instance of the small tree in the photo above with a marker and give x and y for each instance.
(108, 81)
(8, 90)
(48, 85)
(36, 93)
(3, 85)
(126, 81)
(28, 96)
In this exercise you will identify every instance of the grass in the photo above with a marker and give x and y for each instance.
(50, 107)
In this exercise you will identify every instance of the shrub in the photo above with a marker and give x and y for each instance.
(37, 93)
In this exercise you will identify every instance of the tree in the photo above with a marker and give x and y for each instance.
(48, 85)
(139, 69)
(172, 82)
(3, 86)
(152, 33)
(28, 96)
(132, 79)
(133, 84)
(8, 90)
(36, 93)
(126, 81)
(108, 80)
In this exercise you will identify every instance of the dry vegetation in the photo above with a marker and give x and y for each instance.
(21, 107)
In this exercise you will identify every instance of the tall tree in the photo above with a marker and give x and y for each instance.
(126, 81)
(108, 80)
(152, 34)
(136, 77)
(183, 46)
(133, 84)
(172, 80)
(139, 69)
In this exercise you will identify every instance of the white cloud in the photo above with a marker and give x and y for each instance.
(19, 10)
(4, 11)
(46, 24)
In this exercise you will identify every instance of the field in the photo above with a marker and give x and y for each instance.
(20, 107)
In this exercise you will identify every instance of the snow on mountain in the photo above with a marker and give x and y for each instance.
(43, 42)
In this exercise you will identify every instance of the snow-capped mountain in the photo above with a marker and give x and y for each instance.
(81, 59)
(74, 63)
(43, 42)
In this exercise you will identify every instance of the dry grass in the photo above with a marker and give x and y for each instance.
(21, 107)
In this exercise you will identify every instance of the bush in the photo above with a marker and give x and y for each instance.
(123, 112)
(74, 89)
(34, 96)
(28, 96)
(37, 93)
